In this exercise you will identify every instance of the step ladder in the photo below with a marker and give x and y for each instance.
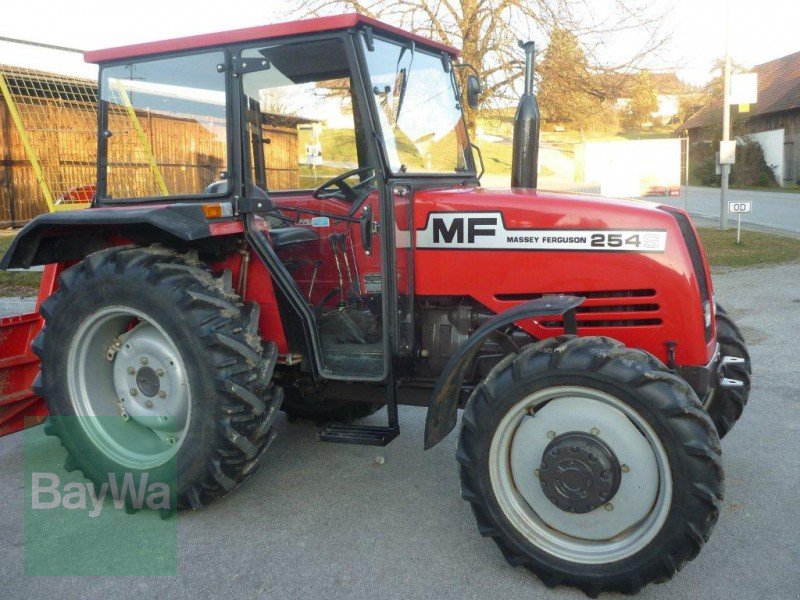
(367, 435)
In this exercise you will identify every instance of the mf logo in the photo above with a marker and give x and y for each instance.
(474, 227)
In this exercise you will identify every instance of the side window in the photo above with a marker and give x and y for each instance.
(167, 125)
(300, 115)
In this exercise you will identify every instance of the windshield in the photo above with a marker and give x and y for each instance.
(419, 110)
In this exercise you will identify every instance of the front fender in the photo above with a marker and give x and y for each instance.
(443, 408)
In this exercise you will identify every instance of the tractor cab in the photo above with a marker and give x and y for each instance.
(316, 139)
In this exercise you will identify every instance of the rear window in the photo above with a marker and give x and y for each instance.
(166, 127)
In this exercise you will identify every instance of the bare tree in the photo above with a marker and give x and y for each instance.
(487, 31)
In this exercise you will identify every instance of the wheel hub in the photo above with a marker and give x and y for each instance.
(579, 472)
(147, 382)
(150, 381)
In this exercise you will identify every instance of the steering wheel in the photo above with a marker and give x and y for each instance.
(338, 188)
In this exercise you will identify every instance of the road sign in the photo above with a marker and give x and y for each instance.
(727, 152)
(739, 207)
(744, 88)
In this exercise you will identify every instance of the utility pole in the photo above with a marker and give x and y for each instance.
(725, 169)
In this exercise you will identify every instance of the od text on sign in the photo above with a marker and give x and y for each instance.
(739, 207)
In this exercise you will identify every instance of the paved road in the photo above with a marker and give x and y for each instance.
(16, 306)
(771, 210)
(327, 521)
(774, 210)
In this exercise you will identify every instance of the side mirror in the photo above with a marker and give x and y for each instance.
(366, 228)
(474, 91)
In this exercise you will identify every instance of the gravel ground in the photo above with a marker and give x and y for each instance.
(329, 521)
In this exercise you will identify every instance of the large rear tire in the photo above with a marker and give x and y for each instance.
(151, 367)
(590, 464)
(726, 405)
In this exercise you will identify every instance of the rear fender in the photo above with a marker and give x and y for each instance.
(443, 408)
(72, 235)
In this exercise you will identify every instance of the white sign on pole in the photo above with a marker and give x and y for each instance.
(739, 208)
(727, 152)
(744, 88)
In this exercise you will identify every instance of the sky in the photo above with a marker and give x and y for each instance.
(759, 31)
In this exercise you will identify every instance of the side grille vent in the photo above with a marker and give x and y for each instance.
(606, 308)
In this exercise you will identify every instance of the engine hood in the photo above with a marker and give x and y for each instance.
(628, 258)
(537, 209)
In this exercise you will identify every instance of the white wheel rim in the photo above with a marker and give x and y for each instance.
(135, 427)
(599, 536)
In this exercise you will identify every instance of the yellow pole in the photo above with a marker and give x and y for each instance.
(142, 138)
(26, 143)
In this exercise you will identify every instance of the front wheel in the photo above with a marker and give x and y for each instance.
(590, 464)
(725, 405)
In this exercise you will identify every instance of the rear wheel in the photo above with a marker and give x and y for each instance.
(590, 464)
(726, 404)
(151, 368)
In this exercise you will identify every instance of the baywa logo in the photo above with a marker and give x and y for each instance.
(49, 494)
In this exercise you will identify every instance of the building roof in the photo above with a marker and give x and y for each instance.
(259, 33)
(778, 91)
(34, 83)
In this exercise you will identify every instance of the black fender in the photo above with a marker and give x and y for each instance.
(71, 235)
(443, 407)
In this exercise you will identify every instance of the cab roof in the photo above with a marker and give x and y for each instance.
(260, 33)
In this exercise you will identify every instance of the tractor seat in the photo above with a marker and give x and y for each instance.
(290, 235)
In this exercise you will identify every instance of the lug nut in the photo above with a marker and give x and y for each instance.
(148, 403)
(162, 394)
(609, 507)
(551, 434)
(160, 372)
(144, 360)
(536, 472)
(131, 371)
(595, 431)
(625, 468)
(134, 392)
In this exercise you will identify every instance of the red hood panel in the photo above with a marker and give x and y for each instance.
(639, 293)
(535, 209)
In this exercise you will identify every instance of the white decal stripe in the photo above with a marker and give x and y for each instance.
(486, 230)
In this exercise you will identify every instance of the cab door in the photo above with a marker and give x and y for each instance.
(303, 128)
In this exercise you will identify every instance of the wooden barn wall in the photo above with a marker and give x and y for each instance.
(280, 156)
(789, 121)
(189, 155)
(21, 198)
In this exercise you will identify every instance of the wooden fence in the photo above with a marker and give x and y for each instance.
(189, 153)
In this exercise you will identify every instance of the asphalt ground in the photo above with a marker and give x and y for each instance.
(329, 521)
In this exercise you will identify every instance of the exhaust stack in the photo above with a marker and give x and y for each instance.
(525, 153)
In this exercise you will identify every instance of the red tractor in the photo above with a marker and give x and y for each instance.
(177, 317)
